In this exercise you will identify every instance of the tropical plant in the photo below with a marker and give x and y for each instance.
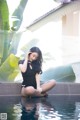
(4, 25)
(9, 40)
(4, 15)
(60, 74)
(17, 15)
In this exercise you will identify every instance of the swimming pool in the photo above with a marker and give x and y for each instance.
(50, 108)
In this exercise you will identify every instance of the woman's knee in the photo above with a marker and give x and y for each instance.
(53, 82)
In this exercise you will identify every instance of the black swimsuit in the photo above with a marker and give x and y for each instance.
(29, 75)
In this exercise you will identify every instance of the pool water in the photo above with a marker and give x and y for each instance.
(50, 108)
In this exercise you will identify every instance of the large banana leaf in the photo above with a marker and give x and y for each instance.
(60, 74)
(5, 45)
(4, 25)
(9, 41)
(1, 45)
(9, 69)
(14, 43)
(17, 15)
(4, 15)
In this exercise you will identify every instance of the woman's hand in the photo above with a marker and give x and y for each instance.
(27, 55)
(39, 89)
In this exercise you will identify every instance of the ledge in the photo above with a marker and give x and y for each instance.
(14, 89)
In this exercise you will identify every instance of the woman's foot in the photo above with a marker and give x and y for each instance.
(40, 95)
(44, 94)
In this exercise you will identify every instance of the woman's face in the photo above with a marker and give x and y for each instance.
(33, 56)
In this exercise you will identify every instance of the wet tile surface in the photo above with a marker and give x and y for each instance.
(50, 108)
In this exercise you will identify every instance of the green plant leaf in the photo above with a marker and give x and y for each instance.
(4, 15)
(60, 74)
(17, 15)
(1, 45)
(14, 43)
(6, 39)
(9, 69)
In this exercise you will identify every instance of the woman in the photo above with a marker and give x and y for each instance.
(31, 68)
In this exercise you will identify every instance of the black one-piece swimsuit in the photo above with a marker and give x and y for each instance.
(29, 75)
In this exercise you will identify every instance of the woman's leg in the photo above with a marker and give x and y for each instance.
(33, 92)
(25, 91)
(47, 86)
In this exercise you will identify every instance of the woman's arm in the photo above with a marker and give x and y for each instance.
(23, 67)
(38, 82)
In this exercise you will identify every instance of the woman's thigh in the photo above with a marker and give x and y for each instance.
(23, 91)
(30, 90)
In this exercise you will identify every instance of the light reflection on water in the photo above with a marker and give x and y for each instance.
(47, 109)
(36, 109)
(50, 108)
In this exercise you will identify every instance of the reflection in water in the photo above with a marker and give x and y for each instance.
(28, 110)
(28, 114)
(38, 109)
(51, 108)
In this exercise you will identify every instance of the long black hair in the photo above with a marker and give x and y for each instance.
(39, 60)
